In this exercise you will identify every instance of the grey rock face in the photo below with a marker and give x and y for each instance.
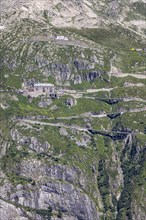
(63, 71)
(63, 132)
(74, 201)
(37, 146)
(93, 75)
(55, 186)
(70, 200)
(45, 165)
(71, 102)
(83, 65)
(77, 79)
(32, 142)
(44, 103)
(113, 9)
(36, 169)
(9, 211)
(85, 140)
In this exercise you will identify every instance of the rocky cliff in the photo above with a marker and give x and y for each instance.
(79, 155)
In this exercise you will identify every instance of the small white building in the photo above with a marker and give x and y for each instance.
(44, 87)
(61, 38)
(138, 49)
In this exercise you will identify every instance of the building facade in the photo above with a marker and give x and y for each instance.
(61, 38)
(44, 87)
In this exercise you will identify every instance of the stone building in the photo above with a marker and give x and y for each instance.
(44, 87)
(61, 38)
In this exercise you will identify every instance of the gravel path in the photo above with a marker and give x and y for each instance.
(138, 76)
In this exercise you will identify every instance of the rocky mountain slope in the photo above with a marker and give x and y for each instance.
(79, 155)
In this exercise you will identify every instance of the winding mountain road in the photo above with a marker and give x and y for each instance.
(121, 75)
(73, 127)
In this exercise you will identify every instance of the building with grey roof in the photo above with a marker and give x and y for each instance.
(44, 87)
